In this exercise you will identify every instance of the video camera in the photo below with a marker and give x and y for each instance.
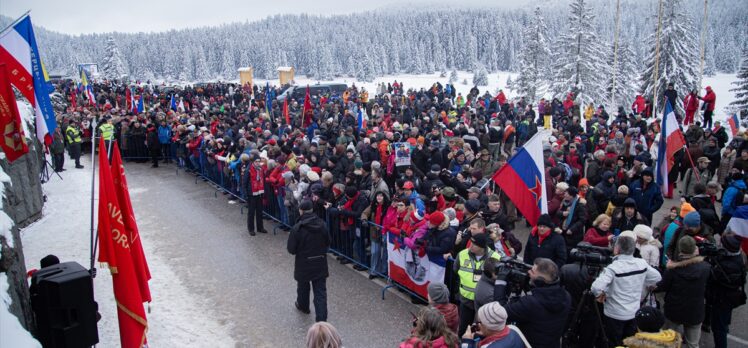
(591, 255)
(518, 279)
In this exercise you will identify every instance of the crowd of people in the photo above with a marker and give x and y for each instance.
(332, 156)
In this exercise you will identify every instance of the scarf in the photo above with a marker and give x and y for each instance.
(348, 205)
(573, 206)
(541, 237)
(486, 341)
(378, 216)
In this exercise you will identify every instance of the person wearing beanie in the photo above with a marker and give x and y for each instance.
(467, 266)
(733, 196)
(725, 286)
(684, 284)
(493, 330)
(309, 241)
(627, 218)
(348, 209)
(648, 246)
(619, 287)
(692, 227)
(438, 297)
(472, 212)
(254, 173)
(647, 194)
(543, 242)
(649, 322)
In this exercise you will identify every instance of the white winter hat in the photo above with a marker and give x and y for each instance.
(643, 232)
(312, 176)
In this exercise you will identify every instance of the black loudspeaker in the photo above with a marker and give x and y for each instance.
(63, 303)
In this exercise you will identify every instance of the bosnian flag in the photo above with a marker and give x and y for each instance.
(413, 268)
(523, 179)
(87, 88)
(173, 103)
(671, 141)
(20, 54)
(734, 124)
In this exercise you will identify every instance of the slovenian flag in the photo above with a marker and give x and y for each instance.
(734, 124)
(671, 141)
(523, 179)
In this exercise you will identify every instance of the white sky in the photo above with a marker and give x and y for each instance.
(97, 16)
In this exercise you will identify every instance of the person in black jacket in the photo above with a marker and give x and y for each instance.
(725, 288)
(309, 241)
(154, 146)
(572, 216)
(348, 211)
(543, 242)
(684, 284)
(542, 315)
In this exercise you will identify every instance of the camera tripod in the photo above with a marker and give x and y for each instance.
(585, 329)
(44, 173)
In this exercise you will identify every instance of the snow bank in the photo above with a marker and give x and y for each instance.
(27, 116)
(12, 334)
(177, 317)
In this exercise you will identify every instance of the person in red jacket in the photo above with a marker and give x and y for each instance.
(639, 105)
(709, 99)
(691, 104)
(599, 234)
(501, 98)
(255, 189)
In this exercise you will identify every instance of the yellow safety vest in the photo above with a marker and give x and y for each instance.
(107, 131)
(73, 135)
(468, 278)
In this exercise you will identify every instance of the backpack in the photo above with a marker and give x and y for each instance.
(567, 171)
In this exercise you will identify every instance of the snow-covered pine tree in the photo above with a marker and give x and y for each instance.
(627, 76)
(187, 74)
(453, 76)
(533, 57)
(113, 66)
(480, 78)
(202, 74)
(740, 104)
(580, 66)
(470, 62)
(228, 69)
(325, 64)
(679, 61)
(509, 83)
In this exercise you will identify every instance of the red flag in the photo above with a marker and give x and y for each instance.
(128, 105)
(285, 111)
(136, 248)
(308, 111)
(115, 251)
(14, 141)
(73, 99)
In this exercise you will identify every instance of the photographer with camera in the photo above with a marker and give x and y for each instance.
(542, 314)
(492, 330)
(469, 268)
(725, 289)
(619, 288)
(684, 284)
(693, 227)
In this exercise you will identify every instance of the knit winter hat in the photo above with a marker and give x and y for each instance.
(545, 220)
(472, 205)
(480, 240)
(439, 293)
(731, 242)
(436, 218)
(686, 208)
(692, 219)
(649, 319)
(492, 316)
(643, 232)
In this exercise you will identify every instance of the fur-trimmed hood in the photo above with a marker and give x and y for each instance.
(662, 339)
(685, 262)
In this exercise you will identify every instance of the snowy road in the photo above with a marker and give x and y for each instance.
(213, 284)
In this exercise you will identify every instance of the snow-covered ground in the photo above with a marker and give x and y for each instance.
(176, 319)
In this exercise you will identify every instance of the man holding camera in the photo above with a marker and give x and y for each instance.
(469, 268)
(541, 316)
(619, 287)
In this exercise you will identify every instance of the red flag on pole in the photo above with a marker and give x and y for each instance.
(136, 248)
(128, 105)
(285, 111)
(14, 141)
(115, 251)
(73, 99)
(307, 109)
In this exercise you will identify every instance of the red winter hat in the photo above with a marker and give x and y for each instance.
(272, 142)
(436, 218)
(317, 170)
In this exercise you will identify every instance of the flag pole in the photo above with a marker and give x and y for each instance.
(615, 55)
(655, 100)
(93, 183)
(703, 44)
(539, 133)
(11, 25)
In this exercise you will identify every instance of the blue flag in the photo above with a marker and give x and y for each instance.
(141, 108)
(173, 103)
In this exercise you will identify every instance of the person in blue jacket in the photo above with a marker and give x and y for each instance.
(164, 138)
(647, 194)
(732, 196)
